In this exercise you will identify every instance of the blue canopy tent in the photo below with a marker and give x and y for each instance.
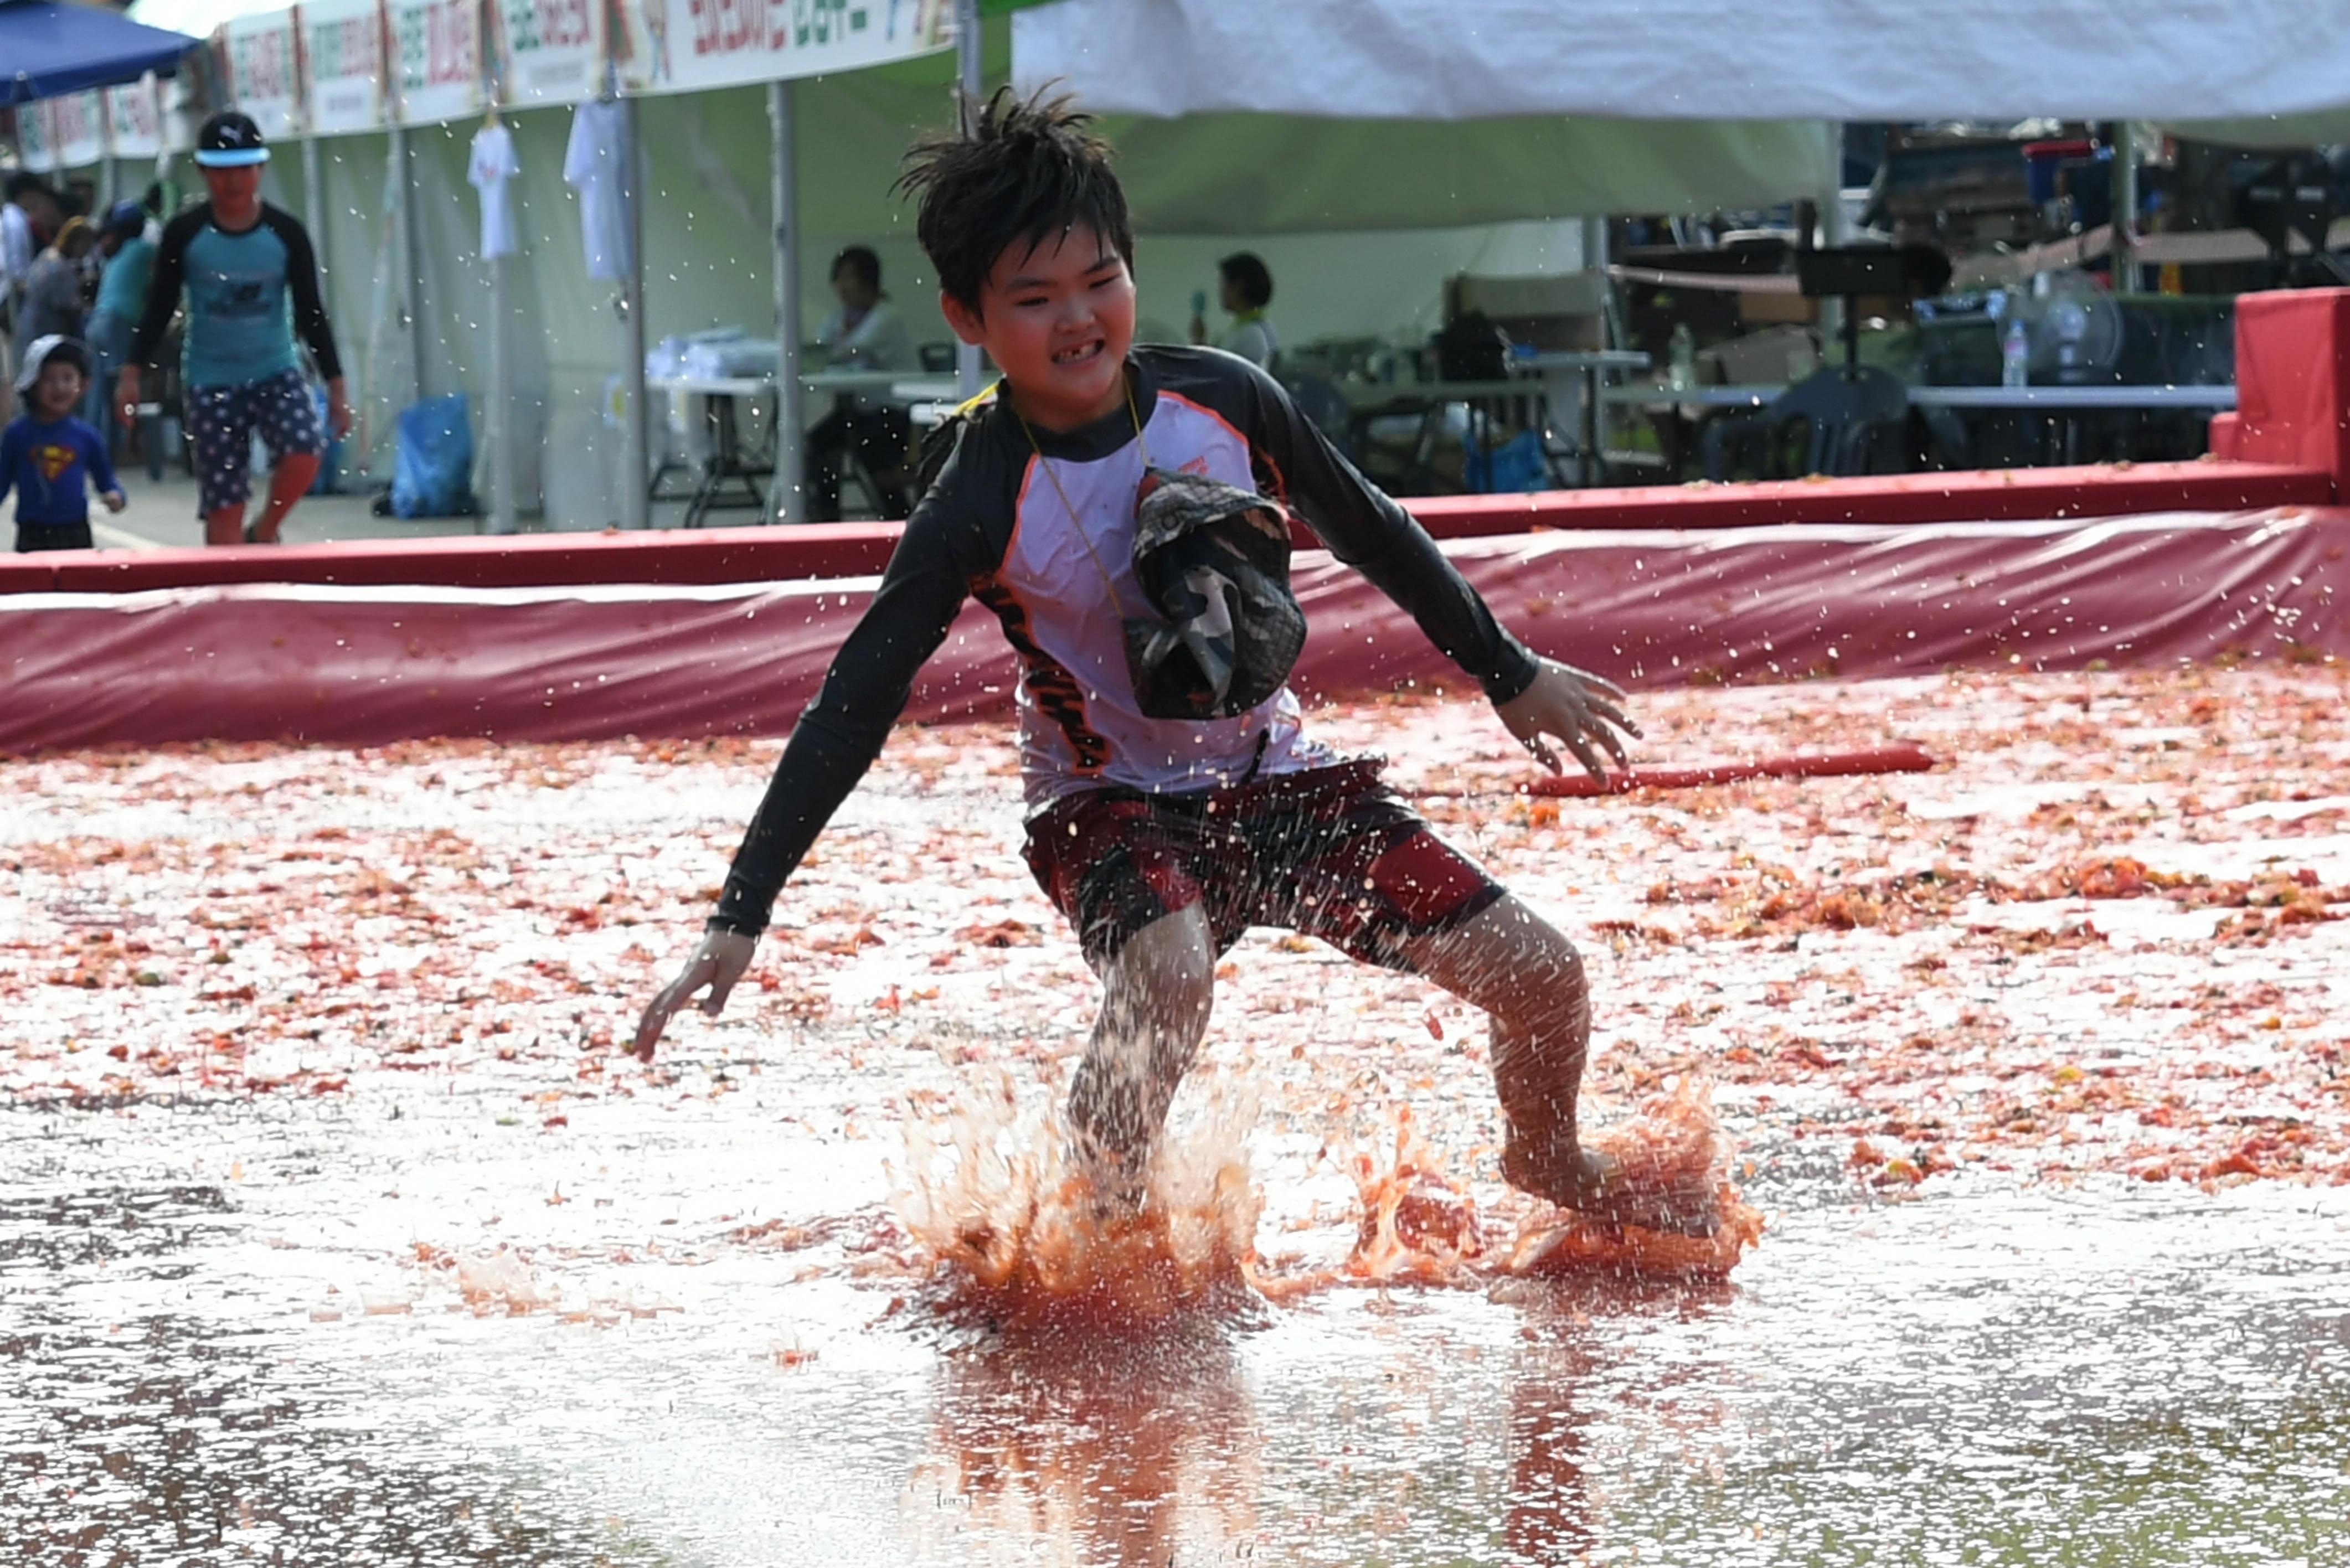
(51, 48)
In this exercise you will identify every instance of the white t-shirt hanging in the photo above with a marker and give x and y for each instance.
(591, 166)
(491, 166)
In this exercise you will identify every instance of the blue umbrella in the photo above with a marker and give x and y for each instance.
(48, 48)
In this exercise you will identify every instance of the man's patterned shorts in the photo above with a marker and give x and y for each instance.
(222, 421)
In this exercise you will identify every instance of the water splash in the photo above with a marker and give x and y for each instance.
(1017, 1237)
(1676, 1168)
(1419, 1225)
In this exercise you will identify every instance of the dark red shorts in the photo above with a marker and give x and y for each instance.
(1329, 852)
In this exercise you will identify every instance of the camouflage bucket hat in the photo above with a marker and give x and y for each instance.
(1215, 559)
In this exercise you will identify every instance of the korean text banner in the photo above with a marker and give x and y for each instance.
(36, 140)
(548, 51)
(683, 46)
(77, 130)
(258, 57)
(135, 122)
(342, 58)
(436, 52)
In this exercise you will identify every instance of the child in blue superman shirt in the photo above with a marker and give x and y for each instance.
(50, 458)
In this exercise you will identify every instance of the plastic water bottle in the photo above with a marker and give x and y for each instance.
(2015, 355)
(1681, 359)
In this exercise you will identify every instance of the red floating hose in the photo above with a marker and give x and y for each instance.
(1905, 758)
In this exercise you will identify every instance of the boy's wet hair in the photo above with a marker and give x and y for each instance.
(1014, 171)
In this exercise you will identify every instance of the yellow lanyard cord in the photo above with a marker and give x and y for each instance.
(1044, 463)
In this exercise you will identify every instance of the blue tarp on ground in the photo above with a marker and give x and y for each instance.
(48, 49)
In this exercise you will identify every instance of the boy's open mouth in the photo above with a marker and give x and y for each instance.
(1079, 354)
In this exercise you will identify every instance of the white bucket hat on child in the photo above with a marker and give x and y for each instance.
(37, 355)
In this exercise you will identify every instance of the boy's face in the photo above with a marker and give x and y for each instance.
(235, 188)
(1058, 321)
(59, 391)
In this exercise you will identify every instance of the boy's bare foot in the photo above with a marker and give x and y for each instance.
(1565, 1173)
(1597, 1186)
(1113, 1186)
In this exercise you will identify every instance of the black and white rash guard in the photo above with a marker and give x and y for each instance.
(997, 526)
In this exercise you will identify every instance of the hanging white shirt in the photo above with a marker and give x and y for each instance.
(490, 171)
(591, 166)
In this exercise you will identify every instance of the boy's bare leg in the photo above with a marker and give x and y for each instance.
(296, 473)
(1529, 979)
(1155, 1002)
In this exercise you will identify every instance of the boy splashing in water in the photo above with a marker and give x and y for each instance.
(1161, 839)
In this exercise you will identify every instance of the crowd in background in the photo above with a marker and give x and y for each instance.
(67, 271)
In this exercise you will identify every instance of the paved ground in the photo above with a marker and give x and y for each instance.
(165, 515)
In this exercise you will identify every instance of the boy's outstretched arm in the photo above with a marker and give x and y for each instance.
(1582, 710)
(1535, 697)
(717, 963)
(831, 747)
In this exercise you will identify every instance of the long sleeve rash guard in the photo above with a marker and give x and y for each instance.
(1040, 528)
(238, 287)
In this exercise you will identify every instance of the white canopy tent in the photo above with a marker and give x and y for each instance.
(1342, 185)
(1372, 219)
(1897, 60)
(2248, 72)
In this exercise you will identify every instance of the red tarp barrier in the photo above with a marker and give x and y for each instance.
(362, 666)
(850, 549)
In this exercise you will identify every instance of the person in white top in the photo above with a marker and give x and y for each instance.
(29, 211)
(1246, 288)
(866, 332)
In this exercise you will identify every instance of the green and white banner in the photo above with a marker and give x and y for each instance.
(134, 120)
(342, 66)
(686, 46)
(548, 51)
(436, 52)
(257, 61)
(77, 130)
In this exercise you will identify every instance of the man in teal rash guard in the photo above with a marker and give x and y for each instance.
(240, 261)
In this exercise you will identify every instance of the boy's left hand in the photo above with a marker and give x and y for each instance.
(1577, 707)
(114, 500)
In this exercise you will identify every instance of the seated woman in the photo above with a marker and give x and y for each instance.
(1246, 290)
(866, 332)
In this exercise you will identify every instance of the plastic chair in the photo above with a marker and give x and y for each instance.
(1841, 413)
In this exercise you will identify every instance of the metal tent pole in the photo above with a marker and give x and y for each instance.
(636, 427)
(787, 492)
(2124, 208)
(501, 411)
(1835, 230)
(403, 196)
(967, 76)
(314, 202)
(1591, 413)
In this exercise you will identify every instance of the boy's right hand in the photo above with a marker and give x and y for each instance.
(717, 963)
